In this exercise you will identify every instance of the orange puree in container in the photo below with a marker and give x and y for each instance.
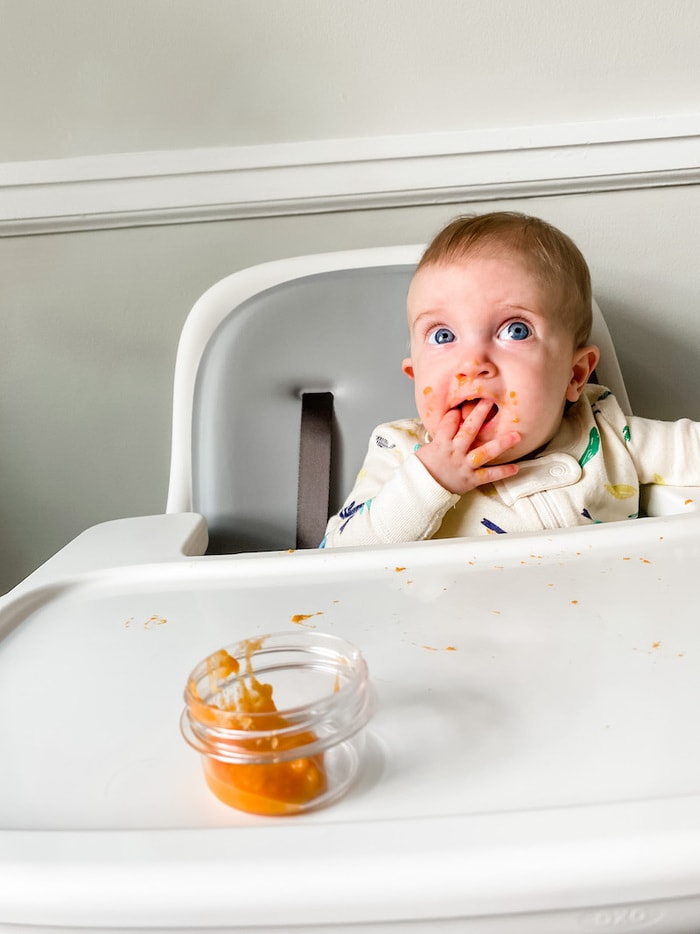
(272, 788)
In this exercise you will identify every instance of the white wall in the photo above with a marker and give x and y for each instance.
(91, 314)
(80, 77)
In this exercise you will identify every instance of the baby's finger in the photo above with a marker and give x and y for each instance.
(449, 425)
(476, 418)
(494, 448)
(493, 474)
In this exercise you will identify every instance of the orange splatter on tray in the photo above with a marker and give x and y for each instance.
(271, 788)
(688, 502)
(399, 569)
(655, 645)
(302, 617)
(150, 623)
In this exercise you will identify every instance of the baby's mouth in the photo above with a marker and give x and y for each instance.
(468, 406)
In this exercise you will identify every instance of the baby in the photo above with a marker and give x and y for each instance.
(511, 436)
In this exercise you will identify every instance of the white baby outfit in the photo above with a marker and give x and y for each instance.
(589, 472)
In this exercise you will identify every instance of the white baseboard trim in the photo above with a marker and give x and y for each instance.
(189, 186)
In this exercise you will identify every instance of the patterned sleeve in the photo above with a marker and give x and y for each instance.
(665, 452)
(394, 499)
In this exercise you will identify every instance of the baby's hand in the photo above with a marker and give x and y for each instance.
(452, 461)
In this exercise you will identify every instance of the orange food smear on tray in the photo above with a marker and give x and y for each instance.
(270, 788)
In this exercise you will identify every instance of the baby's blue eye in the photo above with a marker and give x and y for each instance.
(441, 336)
(515, 331)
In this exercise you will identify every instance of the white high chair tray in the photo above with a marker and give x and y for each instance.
(532, 762)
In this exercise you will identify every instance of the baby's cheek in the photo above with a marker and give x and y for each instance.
(510, 404)
(426, 404)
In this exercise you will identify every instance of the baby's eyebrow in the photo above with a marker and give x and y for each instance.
(428, 313)
(524, 308)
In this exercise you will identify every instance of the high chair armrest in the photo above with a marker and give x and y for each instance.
(121, 543)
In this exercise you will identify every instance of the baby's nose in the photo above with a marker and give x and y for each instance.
(475, 369)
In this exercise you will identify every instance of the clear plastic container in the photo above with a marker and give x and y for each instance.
(279, 720)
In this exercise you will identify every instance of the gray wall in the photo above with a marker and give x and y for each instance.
(91, 319)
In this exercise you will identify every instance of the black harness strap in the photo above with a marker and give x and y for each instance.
(314, 467)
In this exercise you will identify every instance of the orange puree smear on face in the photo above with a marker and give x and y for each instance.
(270, 788)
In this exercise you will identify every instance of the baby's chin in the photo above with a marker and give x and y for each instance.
(525, 449)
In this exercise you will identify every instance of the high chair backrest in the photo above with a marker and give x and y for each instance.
(258, 341)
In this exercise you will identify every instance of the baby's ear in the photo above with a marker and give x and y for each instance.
(407, 367)
(584, 362)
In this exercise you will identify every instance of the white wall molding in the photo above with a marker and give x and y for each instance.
(137, 189)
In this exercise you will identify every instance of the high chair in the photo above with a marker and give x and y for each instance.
(259, 350)
(530, 765)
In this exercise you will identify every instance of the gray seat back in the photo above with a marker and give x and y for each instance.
(343, 332)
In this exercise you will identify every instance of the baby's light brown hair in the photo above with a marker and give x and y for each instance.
(552, 256)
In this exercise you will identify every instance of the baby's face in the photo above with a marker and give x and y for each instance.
(485, 328)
